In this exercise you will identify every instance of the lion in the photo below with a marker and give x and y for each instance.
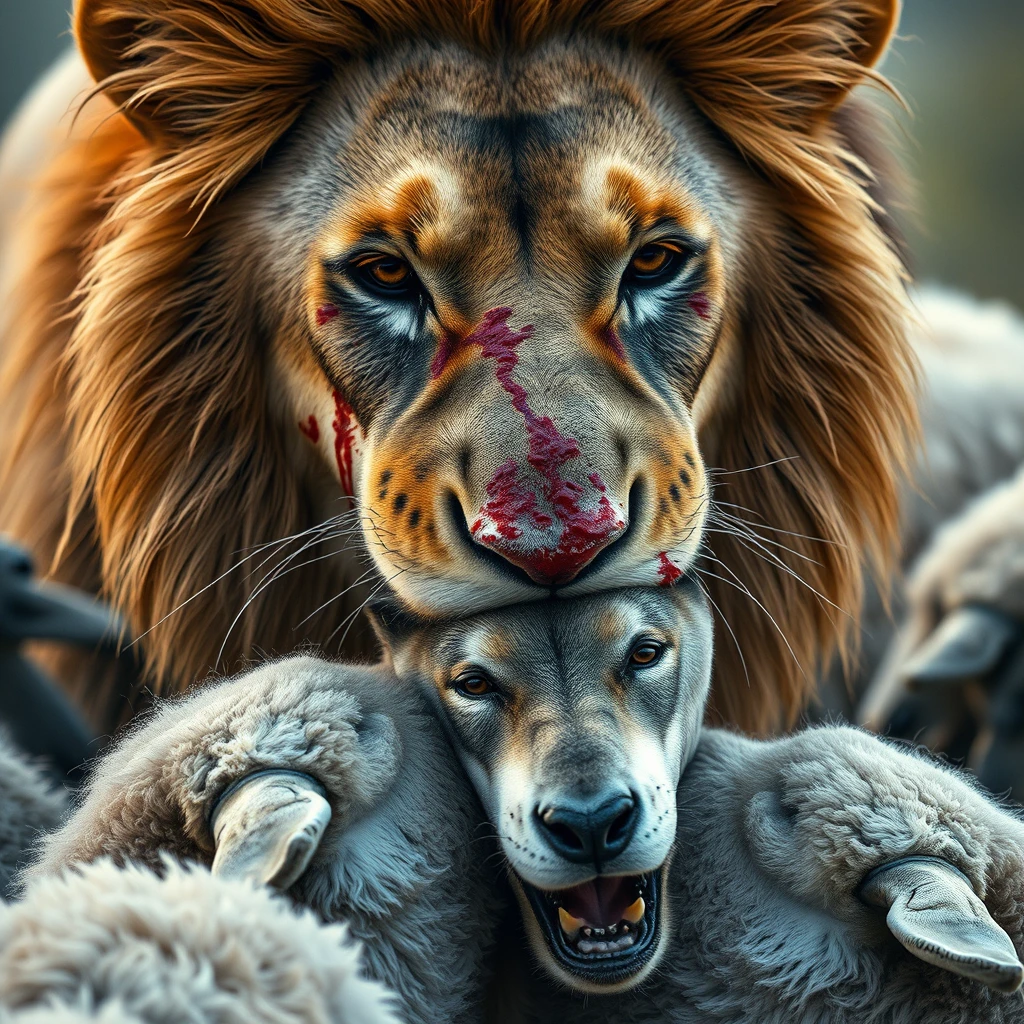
(493, 293)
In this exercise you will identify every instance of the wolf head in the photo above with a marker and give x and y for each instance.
(574, 721)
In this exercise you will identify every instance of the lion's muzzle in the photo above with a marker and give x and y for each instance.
(547, 524)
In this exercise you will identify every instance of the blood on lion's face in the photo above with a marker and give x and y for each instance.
(516, 274)
(510, 274)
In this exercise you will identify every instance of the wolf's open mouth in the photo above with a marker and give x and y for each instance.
(603, 931)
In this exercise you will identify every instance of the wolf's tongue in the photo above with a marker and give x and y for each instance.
(602, 902)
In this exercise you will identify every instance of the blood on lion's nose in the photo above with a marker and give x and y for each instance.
(535, 518)
(552, 530)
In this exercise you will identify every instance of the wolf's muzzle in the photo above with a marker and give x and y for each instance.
(592, 833)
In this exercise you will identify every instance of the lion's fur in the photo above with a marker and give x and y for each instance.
(160, 459)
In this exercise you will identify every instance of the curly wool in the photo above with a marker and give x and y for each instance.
(29, 805)
(400, 870)
(122, 944)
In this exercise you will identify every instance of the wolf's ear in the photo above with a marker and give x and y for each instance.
(393, 627)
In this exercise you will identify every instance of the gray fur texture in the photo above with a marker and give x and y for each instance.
(399, 861)
(29, 805)
(126, 946)
(774, 839)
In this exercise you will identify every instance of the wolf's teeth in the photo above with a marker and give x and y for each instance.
(634, 912)
(570, 925)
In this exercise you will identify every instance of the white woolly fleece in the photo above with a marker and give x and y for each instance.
(398, 861)
(123, 945)
(29, 805)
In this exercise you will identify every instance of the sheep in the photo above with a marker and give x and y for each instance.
(960, 594)
(29, 805)
(791, 894)
(124, 945)
(372, 847)
(955, 671)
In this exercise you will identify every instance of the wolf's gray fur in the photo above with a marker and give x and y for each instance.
(774, 841)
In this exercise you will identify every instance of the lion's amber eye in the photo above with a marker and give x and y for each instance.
(390, 272)
(655, 263)
(473, 684)
(645, 653)
(650, 259)
(384, 274)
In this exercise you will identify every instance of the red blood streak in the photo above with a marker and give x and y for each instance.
(326, 313)
(509, 501)
(611, 338)
(668, 571)
(700, 304)
(311, 429)
(445, 348)
(583, 532)
(344, 425)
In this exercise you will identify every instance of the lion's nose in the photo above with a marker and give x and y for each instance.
(550, 532)
(556, 565)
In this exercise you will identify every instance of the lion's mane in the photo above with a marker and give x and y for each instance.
(141, 454)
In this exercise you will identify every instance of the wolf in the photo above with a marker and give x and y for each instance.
(654, 869)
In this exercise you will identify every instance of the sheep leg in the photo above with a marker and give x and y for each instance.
(268, 826)
(952, 675)
(935, 915)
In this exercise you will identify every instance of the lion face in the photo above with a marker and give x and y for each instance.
(489, 267)
(514, 282)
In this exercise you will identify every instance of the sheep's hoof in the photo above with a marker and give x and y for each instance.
(934, 913)
(268, 826)
(967, 644)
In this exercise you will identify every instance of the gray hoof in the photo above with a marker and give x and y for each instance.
(268, 826)
(936, 916)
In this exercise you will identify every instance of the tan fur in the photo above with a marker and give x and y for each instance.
(173, 463)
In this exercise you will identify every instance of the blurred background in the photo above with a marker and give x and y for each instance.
(959, 63)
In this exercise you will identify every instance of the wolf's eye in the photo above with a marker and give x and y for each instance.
(646, 653)
(384, 275)
(472, 684)
(655, 264)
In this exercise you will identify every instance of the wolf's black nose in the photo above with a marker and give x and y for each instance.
(591, 833)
